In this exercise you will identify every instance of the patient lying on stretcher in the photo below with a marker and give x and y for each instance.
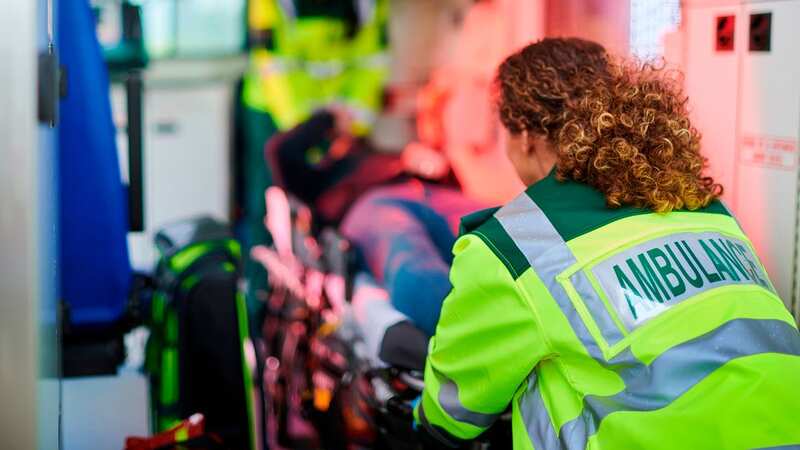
(400, 211)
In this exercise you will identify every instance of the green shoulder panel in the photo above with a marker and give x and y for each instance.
(575, 209)
(472, 221)
(484, 225)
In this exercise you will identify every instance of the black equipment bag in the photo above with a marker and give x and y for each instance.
(196, 351)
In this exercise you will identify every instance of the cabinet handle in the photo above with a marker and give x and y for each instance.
(166, 127)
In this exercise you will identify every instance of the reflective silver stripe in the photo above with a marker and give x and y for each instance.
(450, 403)
(324, 69)
(537, 421)
(314, 69)
(277, 65)
(379, 60)
(533, 233)
(548, 255)
(780, 447)
(365, 10)
(655, 386)
(592, 300)
(289, 11)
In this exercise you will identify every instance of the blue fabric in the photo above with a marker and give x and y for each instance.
(95, 271)
(404, 234)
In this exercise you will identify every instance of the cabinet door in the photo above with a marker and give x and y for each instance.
(186, 158)
(769, 113)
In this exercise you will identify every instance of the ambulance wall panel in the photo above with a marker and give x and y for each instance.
(420, 32)
(747, 106)
(527, 19)
(603, 21)
(711, 83)
(769, 117)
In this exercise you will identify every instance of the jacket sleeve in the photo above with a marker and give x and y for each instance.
(267, 85)
(487, 342)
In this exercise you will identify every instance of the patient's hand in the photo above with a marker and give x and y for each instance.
(424, 161)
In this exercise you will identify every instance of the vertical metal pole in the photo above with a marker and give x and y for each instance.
(133, 89)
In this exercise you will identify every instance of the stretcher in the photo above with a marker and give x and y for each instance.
(342, 367)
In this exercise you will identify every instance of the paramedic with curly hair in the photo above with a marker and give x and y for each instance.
(615, 304)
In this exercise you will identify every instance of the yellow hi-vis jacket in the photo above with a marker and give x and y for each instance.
(612, 329)
(300, 63)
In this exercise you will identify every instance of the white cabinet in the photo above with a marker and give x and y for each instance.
(186, 148)
(747, 106)
(769, 121)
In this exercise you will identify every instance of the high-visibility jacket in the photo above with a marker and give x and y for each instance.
(611, 329)
(300, 61)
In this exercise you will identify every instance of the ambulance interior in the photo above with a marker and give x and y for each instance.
(170, 79)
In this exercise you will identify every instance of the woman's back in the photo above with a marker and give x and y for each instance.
(666, 326)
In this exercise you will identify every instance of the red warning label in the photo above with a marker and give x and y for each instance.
(768, 151)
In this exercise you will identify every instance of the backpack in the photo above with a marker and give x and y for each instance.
(196, 351)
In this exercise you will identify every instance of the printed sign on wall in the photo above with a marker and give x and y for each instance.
(768, 151)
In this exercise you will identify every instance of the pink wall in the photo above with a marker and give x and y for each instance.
(604, 21)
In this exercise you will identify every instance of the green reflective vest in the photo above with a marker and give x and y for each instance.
(612, 329)
(300, 63)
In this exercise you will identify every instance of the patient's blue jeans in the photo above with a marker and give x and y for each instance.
(404, 234)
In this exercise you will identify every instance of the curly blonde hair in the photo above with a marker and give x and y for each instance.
(619, 126)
